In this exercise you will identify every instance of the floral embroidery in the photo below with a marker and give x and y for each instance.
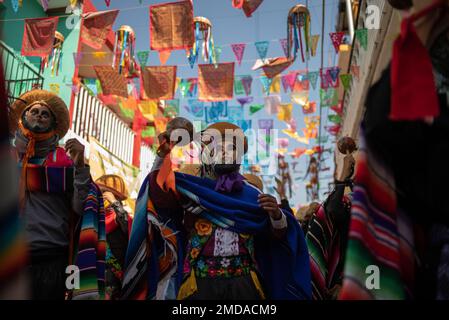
(203, 227)
(194, 253)
(211, 267)
(226, 243)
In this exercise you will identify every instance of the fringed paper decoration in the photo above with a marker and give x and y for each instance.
(309, 107)
(300, 98)
(337, 38)
(272, 104)
(125, 44)
(15, 5)
(163, 56)
(142, 56)
(335, 118)
(218, 50)
(216, 82)
(239, 50)
(328, 97)
(314, 44)
(203, 40)
(301, 82)
(313, 78)
(262, 48)
(266, 84)
(159, 82)
(44, 4)
(333, 130)
(54, 87)
(298, 32)
(171, 108)
(346, 80)
(249, 6)
(362, 37)
(244, 124)
(171, 26)
(216, 110)
(112, 83)
(298, 152)
(238, 86)
(55, 60)
(338, 109)
(238, 4)
(148, 109)
(195, 108)
(245, 100)
(255, 108)
(329, 77)
(284, 45)
(246, 83)
(108, 3)
(285, 112)
(39, 36)
(96, 27)
(355, 70)
(275, 85)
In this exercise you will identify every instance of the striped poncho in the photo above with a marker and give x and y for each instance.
(380, 236)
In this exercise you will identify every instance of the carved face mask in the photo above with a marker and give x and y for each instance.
(38, 118)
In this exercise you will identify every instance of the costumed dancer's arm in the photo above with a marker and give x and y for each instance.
(82, 178)
(159, 197)
(277, 217)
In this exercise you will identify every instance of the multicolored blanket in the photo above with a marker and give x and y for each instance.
(323, 242)
(155, 251)
(380, 255)
(91, 249)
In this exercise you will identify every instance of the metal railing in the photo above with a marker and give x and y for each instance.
(92, 118)
(20, 75)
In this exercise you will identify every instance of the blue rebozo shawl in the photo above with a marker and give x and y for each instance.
(155, 250)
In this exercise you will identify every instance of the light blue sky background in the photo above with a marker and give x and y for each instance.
(232, 26)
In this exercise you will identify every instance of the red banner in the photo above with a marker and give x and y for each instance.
(96, 27)
(38, 36)
(159, 82)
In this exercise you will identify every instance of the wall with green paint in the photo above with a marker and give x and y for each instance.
(12, 34)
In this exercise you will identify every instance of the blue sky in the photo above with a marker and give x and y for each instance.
(232, 26)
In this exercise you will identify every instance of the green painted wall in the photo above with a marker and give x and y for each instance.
(12, 34)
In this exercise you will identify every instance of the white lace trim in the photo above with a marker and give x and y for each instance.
(226, 243)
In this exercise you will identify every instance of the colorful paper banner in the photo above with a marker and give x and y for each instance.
(239, 50)
(216, 82)
(262, 48)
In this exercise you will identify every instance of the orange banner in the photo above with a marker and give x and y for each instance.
(171, 26)
(216, 82)
(111, 81)
(96, 27)
(160, 82)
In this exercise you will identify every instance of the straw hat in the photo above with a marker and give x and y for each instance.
(254, 180)
(114, 184)
(56, 105)
(223, 126)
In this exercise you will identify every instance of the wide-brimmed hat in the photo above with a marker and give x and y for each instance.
(254, 180)
(114, 184)
(223, 126)
(56, 105)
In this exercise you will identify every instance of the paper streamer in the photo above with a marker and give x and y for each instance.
(238, 49)
(262, 48)
(285, 112)
(266, 84)
(300, 98)
(328, 97)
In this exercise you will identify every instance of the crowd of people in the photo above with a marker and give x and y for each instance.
(206, 231)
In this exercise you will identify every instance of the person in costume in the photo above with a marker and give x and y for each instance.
(215, 235)
(327, 236)
(56, 190)
(399, 216)
(118, 227)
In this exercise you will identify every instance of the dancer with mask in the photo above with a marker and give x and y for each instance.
(212, 236)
